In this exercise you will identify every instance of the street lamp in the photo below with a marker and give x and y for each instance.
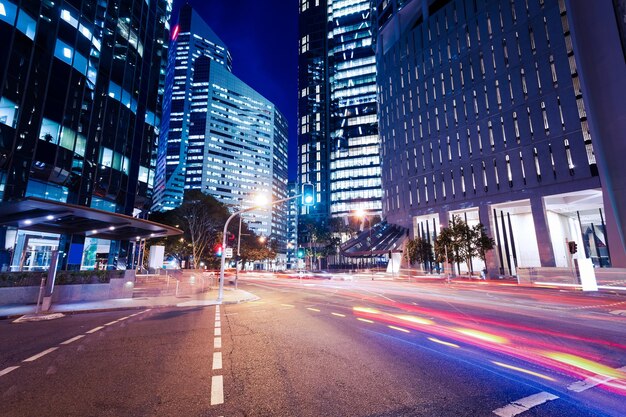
(363, 215)
(258, 204)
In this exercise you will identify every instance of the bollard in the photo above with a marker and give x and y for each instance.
(41, 288)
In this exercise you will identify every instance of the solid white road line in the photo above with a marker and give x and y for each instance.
(217, 360)
(7, 370)
(218, 323)
(73, 339)
(217, 390)
(592, 381)
(217, 344)
(95, 329)
(39, 355)
(525, 404)
(218, 331)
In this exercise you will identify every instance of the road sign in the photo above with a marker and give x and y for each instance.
(228, 253)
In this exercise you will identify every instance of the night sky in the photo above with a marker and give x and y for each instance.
(263, 39)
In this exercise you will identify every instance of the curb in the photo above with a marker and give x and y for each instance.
(105, 310)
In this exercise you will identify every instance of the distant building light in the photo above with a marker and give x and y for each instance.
(28, 222)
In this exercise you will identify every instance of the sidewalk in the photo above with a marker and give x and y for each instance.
(231, 296)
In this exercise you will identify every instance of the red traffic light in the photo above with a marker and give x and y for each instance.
(218, 249)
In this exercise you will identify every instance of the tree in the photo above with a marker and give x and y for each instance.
(419, 251)
(482, 242)
(201, 218)
(463, 243)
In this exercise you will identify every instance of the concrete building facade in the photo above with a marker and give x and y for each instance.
(483, 114)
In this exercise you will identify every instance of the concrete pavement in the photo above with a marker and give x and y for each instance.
(231, 296)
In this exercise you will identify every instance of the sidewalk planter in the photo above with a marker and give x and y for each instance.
(70, 286)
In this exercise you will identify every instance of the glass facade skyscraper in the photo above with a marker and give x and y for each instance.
(81, 87)
(338, 130)
(191, 38)
(222, 137)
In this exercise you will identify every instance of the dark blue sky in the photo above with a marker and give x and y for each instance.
(262, 36)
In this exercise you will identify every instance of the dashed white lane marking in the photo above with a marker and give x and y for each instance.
(7, 370)
(217, 390)
(218, 331)
(112, 323)
(39, 355)
(217, 360)
(95, 329)
(217, 344)
(218, 323)
(580, 386)
(524, 404)
(73, 339)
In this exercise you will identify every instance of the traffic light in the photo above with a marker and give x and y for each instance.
(231, 237)
(308, 194)
(300, 253)
(218, 249)
(573, 247)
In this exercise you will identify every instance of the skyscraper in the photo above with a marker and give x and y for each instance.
(483, 115)
(223, 137)
(191, 39)
(338, 130)
(80, 106)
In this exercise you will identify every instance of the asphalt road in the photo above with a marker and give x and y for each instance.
(328, 348)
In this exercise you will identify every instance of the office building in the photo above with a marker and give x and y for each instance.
(338, 131)
(223, 137)
(484, 113)
(81, 85)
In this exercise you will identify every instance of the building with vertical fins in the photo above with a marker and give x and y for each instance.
(338, 130)
(486, 112)
(81, 87)
(222, 137)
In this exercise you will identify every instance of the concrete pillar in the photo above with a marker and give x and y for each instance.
(484, 215)
(600, 62)
(542, 232)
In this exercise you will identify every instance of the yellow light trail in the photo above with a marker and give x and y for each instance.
(414, 319)
(526, 371)
(400, 329)
(441, 342)
(366, 310)
(487, 337)
(585, 364)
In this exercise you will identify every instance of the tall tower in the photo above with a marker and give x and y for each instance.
(338, 130)
(223, 137)
(191, 38)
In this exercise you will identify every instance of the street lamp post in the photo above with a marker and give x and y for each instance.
(364, 216)
(238, 254)
(220, 294)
